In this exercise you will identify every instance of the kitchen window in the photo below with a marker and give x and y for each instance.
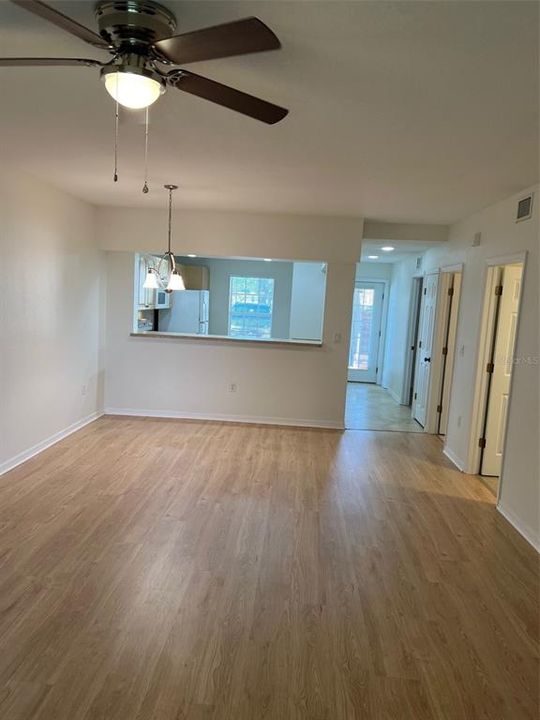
(251, 301)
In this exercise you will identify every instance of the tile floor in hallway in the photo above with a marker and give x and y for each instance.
(371, 407)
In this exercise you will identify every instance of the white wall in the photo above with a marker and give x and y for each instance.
(501, 235)
(399, 308)
(190, 377)
(374, 271)
(215, 233)
(184, 377)
(50, 314)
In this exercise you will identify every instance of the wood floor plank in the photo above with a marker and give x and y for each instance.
(170, 570)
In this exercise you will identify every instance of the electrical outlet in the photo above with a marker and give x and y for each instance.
(233, 387)
(83, 389)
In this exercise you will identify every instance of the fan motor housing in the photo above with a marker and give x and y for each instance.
(131, 24)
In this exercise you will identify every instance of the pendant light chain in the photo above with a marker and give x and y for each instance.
(170, 219)
(116, 114)
(169, 255)
(145, 186)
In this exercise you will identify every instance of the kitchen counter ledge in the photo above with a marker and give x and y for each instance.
(226, 338)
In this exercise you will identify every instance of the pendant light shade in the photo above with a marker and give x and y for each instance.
(151, 282)
(176, 281)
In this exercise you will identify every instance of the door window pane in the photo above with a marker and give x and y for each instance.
(362, 321)
(251, 303)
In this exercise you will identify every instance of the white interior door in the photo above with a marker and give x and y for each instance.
(503, 360)
(365, 331)
(425, 345)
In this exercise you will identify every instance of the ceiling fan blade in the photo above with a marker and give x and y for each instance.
(62, 21)
(249, 35)
(33, 62)
(227, 96)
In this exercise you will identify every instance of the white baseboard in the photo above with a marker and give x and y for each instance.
(528, 533)
(44, 444)
(250, 419)
(453, 459)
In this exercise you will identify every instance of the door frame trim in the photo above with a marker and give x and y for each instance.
(429, 390)
(441, 317)
(485, 337)
(412, 337)
(446, 362)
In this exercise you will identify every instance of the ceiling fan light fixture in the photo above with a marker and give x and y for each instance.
(133, 88)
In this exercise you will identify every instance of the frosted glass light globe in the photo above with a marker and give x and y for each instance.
(132, 90)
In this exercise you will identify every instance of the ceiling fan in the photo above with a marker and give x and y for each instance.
(139, 34)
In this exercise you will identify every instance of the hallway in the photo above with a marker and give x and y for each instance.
(371, 407)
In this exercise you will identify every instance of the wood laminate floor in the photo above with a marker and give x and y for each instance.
(168, 570)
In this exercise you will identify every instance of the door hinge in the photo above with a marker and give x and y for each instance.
(451, 291)
(425, 291)
(376, 370)
(439, 408)
(382, 297)
(415, 395)
(490, 367)
(482, 443)
(498, 290)
(419, 343)
(380, 332)
(445, 351)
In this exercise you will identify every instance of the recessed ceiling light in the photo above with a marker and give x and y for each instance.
(387, 248)
(373, 257)
(191, 255)
(267, 259)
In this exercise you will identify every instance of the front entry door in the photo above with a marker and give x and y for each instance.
(365, 331)
(425, 343)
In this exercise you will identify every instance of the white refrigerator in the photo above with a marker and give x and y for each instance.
(188, 313)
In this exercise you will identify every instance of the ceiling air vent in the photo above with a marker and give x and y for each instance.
(524, 208)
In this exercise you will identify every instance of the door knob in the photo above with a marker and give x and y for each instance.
(427, 359)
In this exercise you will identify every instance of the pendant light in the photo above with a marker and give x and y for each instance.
(151, 282)
(174, 279)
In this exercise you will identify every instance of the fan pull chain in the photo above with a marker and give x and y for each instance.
(115, 176)
(145, 186)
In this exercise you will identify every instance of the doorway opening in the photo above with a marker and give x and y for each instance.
(426, 327)
(496, 362)
(395, 333)
(412, 339)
